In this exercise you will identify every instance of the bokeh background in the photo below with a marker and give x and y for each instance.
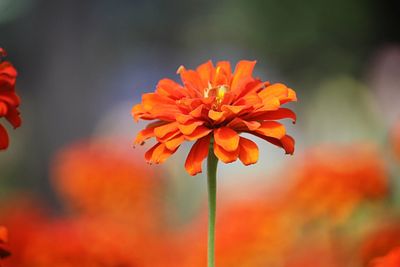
(71, 175)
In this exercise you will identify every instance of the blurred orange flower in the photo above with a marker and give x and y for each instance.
(9, 101)
(4, 251)
(380, 242)
(332, 184)
(102, 180)
(392, 259)
(215, 104)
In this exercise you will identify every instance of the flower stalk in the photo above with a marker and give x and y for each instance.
(212, 162)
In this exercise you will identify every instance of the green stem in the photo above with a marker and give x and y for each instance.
(212, 163)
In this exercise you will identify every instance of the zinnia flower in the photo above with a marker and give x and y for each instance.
(215, 105)
(9, 101)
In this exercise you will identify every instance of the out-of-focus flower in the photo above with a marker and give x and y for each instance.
(332, 180)
(252, 232)
(392, 259)
(215, 104)
(309, 256)
(380, 242)
(9, 101)
(4, 250)
(92, 243)
(97, 179)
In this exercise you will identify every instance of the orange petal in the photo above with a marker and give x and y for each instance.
(272, 129)
(143, 135)
(216, 115)
(244, 69)
(189, 127)
(287, 142)
(248, 151)
(225, 156)
(227, 138)
(281, 113)
(193, 82)
(3, 138)
(200, 132)
(175, 142)
(170, 88)
(291, 97)
(183, 118)
(233, 109)
(163, 130)
(206, 71)
(197, 154)
(243, 125)
(197, 112)
(279, 90)
(158, 153)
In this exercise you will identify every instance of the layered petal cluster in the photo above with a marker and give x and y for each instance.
(9, 100)
(215, 105)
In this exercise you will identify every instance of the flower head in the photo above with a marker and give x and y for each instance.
(9, 101)
(216, 104)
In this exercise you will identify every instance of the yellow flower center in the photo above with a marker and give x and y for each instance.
(218, 92)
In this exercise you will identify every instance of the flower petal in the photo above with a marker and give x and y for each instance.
(189, 127)
(225, 156)
(206, 71)
(272, 129)
(143, 135)
(200, 132)
(216, 115)
(239, 124)
(175, 142)
(3, 138)
(13, 117)
(287, 142)
(281, 113)
(171, 89)
(158, 153)
(248, 151)
(192, 81)
(197, 154)
(165, 129)
(227, 138)
(234, 109)
(244, 69)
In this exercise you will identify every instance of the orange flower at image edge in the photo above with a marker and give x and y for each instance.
(4, 252)
(392, 259)
(215, 104)
(9, 101)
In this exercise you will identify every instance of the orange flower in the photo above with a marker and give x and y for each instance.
(379, 242)
(215, 104)
(335, 184)
(4, 252)
(98, 179)
(9, 101)
(392, 259)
